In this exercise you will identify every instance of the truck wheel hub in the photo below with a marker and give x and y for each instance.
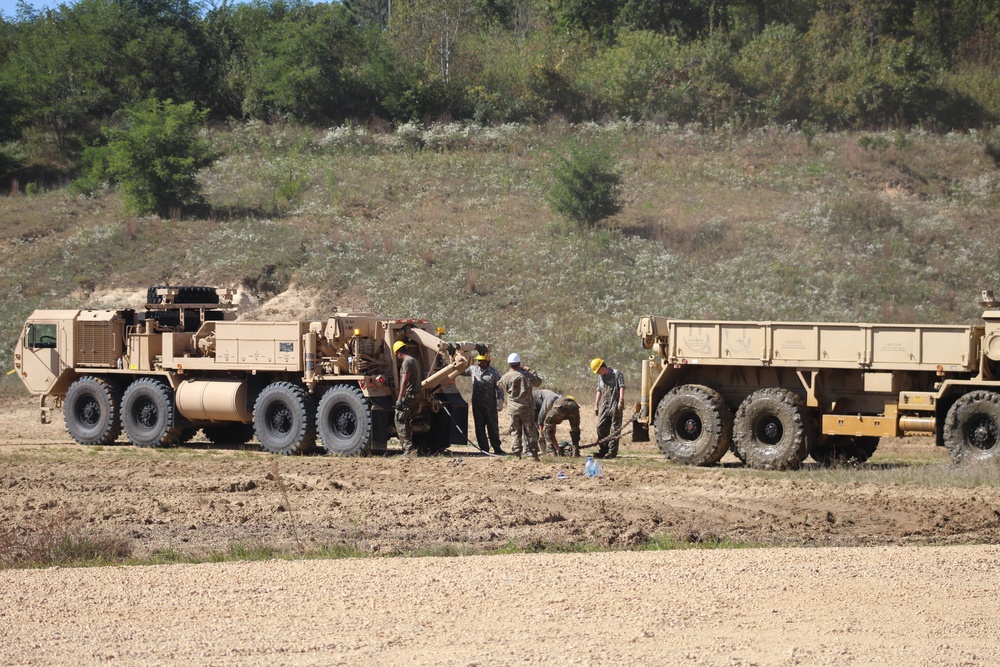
(90, 413)
(983, 434)
(147, 415)
(281, 420)
(770, 431)
(345, 423)
(691, 427)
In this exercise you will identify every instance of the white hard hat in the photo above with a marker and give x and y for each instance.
(514, 358)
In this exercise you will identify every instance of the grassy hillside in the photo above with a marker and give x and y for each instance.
(451, 224)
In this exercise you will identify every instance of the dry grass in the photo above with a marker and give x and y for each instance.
(450, 223)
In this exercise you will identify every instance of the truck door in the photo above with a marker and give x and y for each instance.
(40, 359)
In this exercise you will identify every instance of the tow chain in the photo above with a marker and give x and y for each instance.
(611, 436)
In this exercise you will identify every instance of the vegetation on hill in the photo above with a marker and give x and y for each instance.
(451, 222)
(861, 64)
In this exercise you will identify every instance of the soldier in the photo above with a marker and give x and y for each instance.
(517, 384)
(609, 404)
(408, 398)
(553, 409)
(486, 399)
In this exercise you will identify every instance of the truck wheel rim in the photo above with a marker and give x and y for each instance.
(690, 426)
(90, 412)
(983, 433)
(344, 422)
(280, 419)
(769, 430)
(147, 414)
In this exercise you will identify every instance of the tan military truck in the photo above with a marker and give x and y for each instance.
(775, 392)
(184, 363)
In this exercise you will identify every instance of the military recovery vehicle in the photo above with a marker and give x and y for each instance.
(776, 392)
(184, 363)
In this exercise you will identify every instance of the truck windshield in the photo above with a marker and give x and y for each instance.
(41, 335)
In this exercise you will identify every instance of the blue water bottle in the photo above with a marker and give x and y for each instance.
(590, 468)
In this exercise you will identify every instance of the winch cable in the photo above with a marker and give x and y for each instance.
(466, 435)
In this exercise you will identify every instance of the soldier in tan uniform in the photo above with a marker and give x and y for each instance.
(517, 384)
(552, 409)
(408, 398)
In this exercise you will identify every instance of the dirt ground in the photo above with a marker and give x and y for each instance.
(757, 606)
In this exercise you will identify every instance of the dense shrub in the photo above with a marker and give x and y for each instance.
(638, 78)
(587, 186)
(774, 70)
(154, 154)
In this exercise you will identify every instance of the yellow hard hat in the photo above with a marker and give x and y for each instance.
(596, 364)
(571, 398)
(397, 346)
(482, 357)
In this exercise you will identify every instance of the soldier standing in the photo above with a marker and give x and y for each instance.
(517, 384)
(609, 404)
(486, 398)
(408, 398)
(553, 409)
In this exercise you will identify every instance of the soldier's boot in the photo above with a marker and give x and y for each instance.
(575, 436)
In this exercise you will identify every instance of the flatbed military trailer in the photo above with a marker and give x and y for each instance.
(776, 392)
(184, 363)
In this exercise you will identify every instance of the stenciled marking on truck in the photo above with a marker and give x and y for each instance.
(701, 343)
(738, 345)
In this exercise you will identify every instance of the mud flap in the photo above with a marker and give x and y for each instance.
(383, 417)
(640, 431)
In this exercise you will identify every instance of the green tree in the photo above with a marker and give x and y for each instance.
(640, 77)
(296, 60)
(157, 47)
(153, 153)
(774, 71)
(587, 187)
(54, 67)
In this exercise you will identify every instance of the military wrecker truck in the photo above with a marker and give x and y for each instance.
(775, 392)
(184, 363)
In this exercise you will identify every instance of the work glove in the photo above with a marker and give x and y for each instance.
(597, 411)
(400, 405)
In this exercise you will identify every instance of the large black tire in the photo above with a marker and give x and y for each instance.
(282, 419)
(228, 433)
(693, 425)
(972, 428)
(91, 411)
(771, 429)
(148, 414)
(839, 449)
(344, 421)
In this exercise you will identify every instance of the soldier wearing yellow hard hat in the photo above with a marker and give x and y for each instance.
(552, 409)
(609, 404)
(486, 400)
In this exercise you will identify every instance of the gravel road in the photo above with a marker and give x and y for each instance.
(828, 606)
